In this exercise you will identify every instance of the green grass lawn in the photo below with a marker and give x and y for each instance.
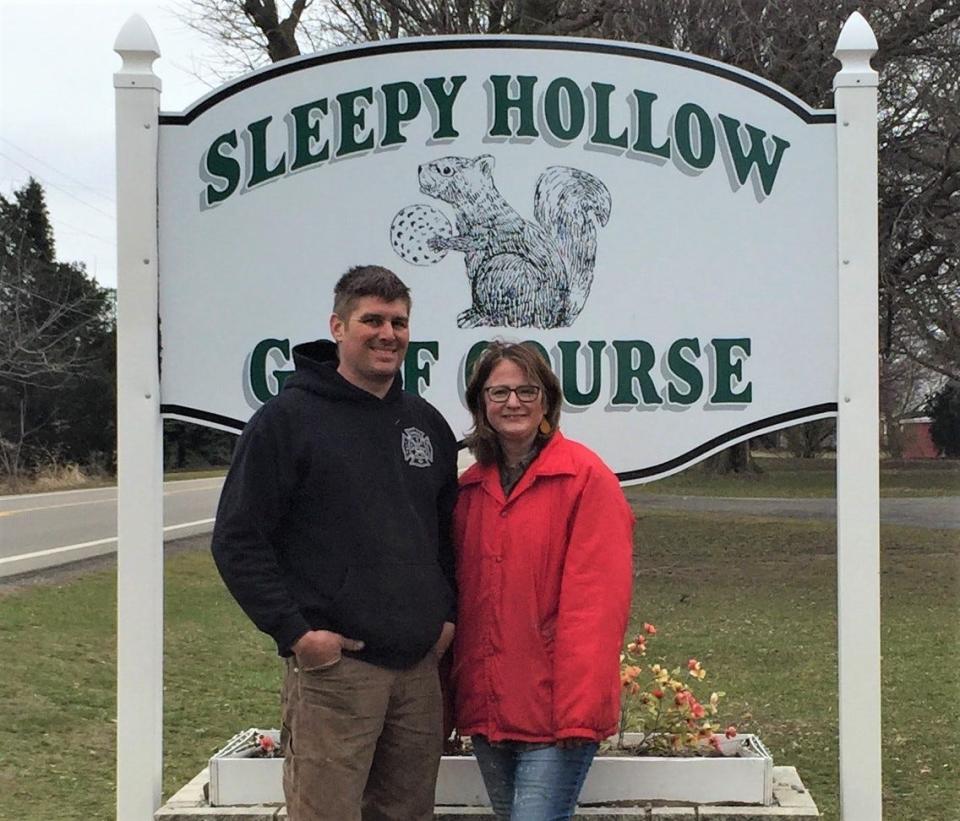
(754, 599)
(782, 476)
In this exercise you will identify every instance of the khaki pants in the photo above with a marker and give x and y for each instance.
(362, 743)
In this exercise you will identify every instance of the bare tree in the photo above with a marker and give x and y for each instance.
(920, 192)
(248, 34)
(808, 440)
(39, 337)
(251, 33)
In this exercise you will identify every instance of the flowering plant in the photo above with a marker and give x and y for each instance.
(254, 743)
(267, 747)
(673, 718)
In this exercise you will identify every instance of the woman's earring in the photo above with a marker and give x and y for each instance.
(545, 426)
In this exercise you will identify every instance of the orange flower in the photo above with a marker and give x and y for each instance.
(628, 675)
(649, 629)
(696, 669)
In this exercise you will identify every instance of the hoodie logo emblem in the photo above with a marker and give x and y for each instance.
(417, 448)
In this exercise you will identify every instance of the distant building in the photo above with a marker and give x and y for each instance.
(917, 442)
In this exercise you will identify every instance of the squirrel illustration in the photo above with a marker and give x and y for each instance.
(521, 273)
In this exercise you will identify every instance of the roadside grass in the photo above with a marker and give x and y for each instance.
(785, 477)
(70, 476)
(782, 476)
(78, 480)
(754, 599)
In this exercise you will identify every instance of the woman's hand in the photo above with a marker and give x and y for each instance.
(445, 640)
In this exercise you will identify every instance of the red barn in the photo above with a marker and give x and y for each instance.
(917, 443)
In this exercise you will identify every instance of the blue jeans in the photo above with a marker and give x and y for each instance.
(539, 784)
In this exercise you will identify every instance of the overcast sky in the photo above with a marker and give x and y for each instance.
(56, 109)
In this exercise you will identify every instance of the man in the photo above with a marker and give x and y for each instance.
(333, 536)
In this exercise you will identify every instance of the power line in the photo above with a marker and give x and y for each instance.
(30, 171)
(81, 231)
(53, 168)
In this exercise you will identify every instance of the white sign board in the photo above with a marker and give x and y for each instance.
(695, 250)
(663, 225)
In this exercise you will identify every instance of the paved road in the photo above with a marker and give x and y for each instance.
(928, 511)
(47, 529)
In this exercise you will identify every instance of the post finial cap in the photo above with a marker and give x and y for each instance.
(856, 38)
(136, 37)
(138, 48)
(855, 46)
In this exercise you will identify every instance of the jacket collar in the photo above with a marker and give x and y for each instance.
(553, 460)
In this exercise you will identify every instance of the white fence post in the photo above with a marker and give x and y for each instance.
(139, 432)
(858, 457)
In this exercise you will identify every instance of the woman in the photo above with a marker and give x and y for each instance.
(544, 540)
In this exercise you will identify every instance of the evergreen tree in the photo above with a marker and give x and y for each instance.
(56, 348)
(31, 207)
(944, 409)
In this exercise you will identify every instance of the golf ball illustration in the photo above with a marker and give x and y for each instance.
(411, 230)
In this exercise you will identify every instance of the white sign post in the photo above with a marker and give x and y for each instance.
(692, 247)
(139, 432)
(858, 434)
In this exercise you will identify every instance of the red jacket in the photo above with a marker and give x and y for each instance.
(544, 595)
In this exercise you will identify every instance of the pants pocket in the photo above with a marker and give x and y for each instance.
(320, 668)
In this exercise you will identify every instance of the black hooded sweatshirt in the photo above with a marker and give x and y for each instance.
(336, 515)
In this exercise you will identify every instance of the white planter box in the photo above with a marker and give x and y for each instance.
(744, 776)
(238, 780)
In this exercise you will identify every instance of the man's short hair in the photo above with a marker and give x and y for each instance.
(367, 280)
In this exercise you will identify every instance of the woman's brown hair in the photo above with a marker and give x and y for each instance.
(482, 440)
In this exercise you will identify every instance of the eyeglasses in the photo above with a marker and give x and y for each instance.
(501, 393)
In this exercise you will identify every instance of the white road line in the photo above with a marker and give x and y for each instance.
(191, 490)
(52, 551)
(197, 523)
